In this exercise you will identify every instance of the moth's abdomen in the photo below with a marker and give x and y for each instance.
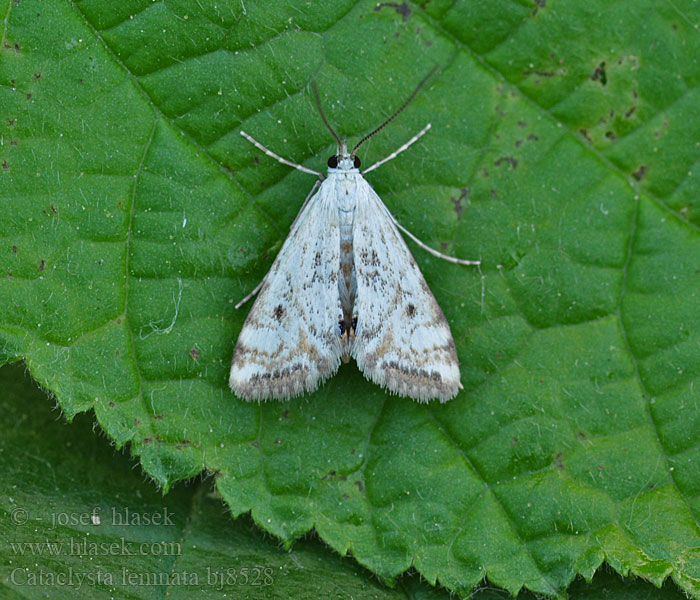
(347, 286)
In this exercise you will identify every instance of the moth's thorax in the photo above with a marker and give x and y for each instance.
(343, 183)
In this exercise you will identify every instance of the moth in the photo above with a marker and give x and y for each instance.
(344, 284)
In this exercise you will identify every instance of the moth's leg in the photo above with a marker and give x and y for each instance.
(249, 296)
(398, 151)
(452, 259)
(278, 158)
(257, 287)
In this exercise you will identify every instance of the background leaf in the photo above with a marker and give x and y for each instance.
(57, 476)
(71, 508)
(562, 154)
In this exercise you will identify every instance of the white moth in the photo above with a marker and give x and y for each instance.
(345, 285)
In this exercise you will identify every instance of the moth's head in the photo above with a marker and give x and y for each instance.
(344, 160)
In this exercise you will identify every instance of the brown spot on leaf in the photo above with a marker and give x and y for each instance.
(640, 172)
(558, 461)
(194, 353)
(459, 209)
(403, 9)
(509, 159)
(599, 74)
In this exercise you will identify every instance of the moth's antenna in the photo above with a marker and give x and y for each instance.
(314, 87)
(396, 114)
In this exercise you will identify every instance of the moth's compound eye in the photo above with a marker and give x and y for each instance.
(333, 162)
(356, 161)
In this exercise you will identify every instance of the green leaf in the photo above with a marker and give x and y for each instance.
(78, 520)
(562, 153)
(74, 519)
